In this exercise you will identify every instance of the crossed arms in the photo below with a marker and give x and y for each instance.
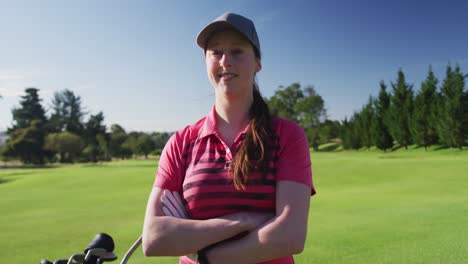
(168, 232)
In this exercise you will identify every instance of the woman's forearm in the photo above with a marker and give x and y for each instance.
(170, 236)
(273, 240)
(166, 234)
(283, 235)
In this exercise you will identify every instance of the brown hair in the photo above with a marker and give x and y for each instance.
(256, 144)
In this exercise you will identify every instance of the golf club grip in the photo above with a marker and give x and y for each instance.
(101, 240)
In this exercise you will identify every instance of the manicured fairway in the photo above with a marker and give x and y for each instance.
(404, 207)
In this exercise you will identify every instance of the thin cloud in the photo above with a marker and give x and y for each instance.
(11, 89)
(83, 87)
(263, 19)
(10, 76)
(13, 84)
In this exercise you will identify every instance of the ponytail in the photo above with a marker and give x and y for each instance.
(257, 143)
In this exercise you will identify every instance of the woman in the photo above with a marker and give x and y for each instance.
(235, 186)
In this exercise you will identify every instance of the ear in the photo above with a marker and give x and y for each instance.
(259, 65)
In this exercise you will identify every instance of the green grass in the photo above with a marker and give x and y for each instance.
(402, 207)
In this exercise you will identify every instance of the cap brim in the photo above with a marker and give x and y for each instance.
(217, 26)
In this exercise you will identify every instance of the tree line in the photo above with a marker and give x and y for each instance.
(67, 136)
(436, 114)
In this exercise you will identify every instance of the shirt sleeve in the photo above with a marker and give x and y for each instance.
(171, 165)
(294, 162)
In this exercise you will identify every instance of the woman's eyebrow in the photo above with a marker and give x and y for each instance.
(217, 44)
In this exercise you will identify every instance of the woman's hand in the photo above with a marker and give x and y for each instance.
(281, 236)
(165, 235)
(172, 205)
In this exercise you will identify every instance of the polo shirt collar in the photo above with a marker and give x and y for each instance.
(210, 127)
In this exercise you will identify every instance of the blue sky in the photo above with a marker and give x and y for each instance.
(137, 61)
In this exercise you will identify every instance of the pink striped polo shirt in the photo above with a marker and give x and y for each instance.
(195, 163)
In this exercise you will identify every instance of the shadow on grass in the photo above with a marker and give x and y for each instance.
(390, 157)
(104, 167)
(93, 165)
(10, 174)
(140, 165)
(395, 148)
(4, 181)
(13, 167)
(440, 147)
(16, 173)
(126, 165)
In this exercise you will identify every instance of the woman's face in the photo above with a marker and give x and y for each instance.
(231, 64)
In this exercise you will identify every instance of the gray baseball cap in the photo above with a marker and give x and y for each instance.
(232, 21)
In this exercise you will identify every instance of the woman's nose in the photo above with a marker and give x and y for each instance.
(226, 60)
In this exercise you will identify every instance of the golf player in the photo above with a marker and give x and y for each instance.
(235, 186)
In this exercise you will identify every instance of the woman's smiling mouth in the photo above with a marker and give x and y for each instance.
(227, 76)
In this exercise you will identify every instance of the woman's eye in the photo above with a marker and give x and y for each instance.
(216, 53)
(236, 52)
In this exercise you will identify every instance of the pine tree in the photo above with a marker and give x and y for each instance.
(366, 119)
(380, 131)
(27, 135)
(462, 115)
(96, 139)
(117, 138)
(356, 140)
(346, 134)
(401, 110)
(451, 109)
(425, 107)
(26, 144)
(30, 109)
(67, 113)
(465, 111)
